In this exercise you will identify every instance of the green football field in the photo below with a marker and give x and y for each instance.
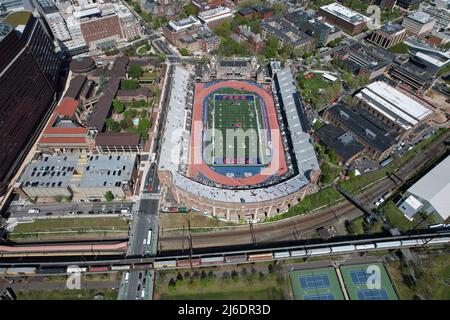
(355, 279)
(316, 284)
(229, 116)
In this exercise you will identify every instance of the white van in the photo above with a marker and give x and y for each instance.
(124, 211)
(34, 210)
(143, 293)
(127, 275)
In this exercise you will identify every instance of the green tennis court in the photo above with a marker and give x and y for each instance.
(361, 282)
(316, 284)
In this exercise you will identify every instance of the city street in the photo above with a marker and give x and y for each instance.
(20, 211)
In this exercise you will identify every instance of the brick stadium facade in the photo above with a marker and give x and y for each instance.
(231, 211)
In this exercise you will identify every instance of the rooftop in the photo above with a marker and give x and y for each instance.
(362, 125)
(344, 143)
(393, 104)
(420, 17)
(183, 24)
(345, 13)
(392, 28)
(434, 187)
(283, 29)
(78, 171)
(117, 139)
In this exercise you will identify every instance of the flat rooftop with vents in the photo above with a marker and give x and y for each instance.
(393, 104)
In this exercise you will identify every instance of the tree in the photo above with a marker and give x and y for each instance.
(184, 52)
(109, 196)
(112, 126)
(125, 124)
(226, 275)
(137, 8)
(179, 277)
(224, 29)
(118, 106)
(172, 283)
(135, 71)
(279, 8)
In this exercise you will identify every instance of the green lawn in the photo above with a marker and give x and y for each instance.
(70, 228)
(197, 220)
(433, 275)
(323, 197)
(82, 294)
(400, 48)
(225, 114)
(240, 288)
(317, 91)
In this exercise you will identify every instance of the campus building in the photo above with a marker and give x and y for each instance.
(287, 34)
(83, 177)
(29, 79)
(388, 35)
(64, 132)
(396, 109)
(344, 18)
(364, 60)
(213, 17)
(418, 23)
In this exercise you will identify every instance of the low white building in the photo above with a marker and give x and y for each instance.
(430, 195)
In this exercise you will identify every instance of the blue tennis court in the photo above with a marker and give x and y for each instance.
(372, 294)
(320, 296)
(315, 281)
(359, 276)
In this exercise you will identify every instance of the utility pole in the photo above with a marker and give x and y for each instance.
(190, 242)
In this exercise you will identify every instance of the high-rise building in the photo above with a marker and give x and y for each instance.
(29, 69)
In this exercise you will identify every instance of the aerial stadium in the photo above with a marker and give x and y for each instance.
(236, 148)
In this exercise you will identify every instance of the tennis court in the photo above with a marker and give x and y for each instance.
(360, 282)
(316, 284)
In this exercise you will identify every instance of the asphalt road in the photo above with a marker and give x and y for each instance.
(146, 219)
(62, 209)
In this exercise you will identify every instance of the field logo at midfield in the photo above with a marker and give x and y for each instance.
(374, 280)
(73, 281)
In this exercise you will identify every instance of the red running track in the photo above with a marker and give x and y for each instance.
(197, 165)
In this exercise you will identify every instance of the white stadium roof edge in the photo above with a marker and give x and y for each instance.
(176, 143)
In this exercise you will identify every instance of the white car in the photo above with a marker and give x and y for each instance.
(145, 241)
(71, 213)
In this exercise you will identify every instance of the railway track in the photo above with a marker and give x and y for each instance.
(289, 229)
